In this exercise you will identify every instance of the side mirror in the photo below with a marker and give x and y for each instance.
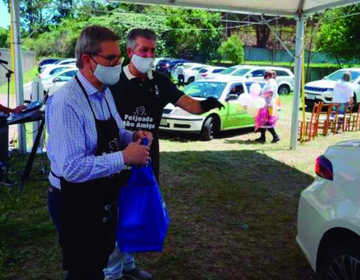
(232, 97)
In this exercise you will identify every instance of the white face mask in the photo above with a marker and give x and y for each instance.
(108, 75)
(142, 64)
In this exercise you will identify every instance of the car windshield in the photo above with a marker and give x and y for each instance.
(228, 71)
(205, 89)
(241, 72)
(339, 74)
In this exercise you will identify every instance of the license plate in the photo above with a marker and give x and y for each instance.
(163, 122)
(310, 96)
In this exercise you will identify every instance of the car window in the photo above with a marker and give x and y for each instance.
(241, 72)
(203, 70)
(258, 73)
(339, 74)
(281, 73)
(217, 70)
(67, 76)
(228, 71)
(205, 89)
(197, 68)
(237, 89)
(56, 70)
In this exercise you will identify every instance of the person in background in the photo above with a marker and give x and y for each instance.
(343, 95)
(278, 101)
(140, 97)
(267, 116)
(89, 151)
(181, 77)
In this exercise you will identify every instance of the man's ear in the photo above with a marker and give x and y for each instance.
(86, 60)
(129, 52)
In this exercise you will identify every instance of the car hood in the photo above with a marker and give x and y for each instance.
(321, 84)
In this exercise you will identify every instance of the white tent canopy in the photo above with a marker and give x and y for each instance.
(278, 7)
(296, 8)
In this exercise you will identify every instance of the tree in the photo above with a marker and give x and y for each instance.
(4, 38)
(232, 49)
(340, 32)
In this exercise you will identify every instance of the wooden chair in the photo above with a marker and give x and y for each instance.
(355, 120)
(307, 129)
(327, 118)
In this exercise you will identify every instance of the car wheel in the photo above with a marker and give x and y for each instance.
(191, 79)
(284, 90)
(342, 263)
(209, 129)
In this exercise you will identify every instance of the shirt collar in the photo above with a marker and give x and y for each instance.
(130, 76)
(90, 89)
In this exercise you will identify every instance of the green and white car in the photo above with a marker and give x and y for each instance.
(227, 91)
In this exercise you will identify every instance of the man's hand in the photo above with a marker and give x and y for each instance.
(135, 153)
(210, 103)
(144, 134)
(18, 109)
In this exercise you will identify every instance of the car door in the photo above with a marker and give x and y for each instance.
(234, 113)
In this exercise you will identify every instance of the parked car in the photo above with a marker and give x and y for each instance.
(205, 71)
(67, 61)
(166, 65)
(58, 80)
(52, 70)
(51, 84)
(284, 76)
(233, 116)
(191, 69)
(329, 214)
(323, 90)
(46, 62)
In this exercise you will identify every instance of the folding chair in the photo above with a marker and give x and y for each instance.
(354, 119)
(309, 127)
(327, 117)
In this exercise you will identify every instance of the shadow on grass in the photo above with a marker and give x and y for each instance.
(233, 216)
(190, 137)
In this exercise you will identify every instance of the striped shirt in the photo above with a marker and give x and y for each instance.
(72, 133)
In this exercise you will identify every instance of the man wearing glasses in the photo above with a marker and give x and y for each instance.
(89, 150)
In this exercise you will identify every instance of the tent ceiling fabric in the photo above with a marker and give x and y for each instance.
(278, 7)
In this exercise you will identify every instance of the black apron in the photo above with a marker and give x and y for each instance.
(139, 108)
(90, 208)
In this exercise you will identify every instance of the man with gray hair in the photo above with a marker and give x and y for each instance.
(89, 150)
(140, 96)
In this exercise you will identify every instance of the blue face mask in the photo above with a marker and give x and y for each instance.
(108, 75)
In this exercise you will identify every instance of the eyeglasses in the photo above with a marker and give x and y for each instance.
(113, 59)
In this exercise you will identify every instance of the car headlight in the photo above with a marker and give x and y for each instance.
(180, 112)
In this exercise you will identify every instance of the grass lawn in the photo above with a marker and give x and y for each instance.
(233, 207)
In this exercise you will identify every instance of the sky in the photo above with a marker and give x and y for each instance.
(4, 15)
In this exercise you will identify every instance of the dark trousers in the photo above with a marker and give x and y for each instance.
(271, 130)
(55, 210)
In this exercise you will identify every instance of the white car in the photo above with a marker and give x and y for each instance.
(51, 84)
(323, 90)
(284, 76)
(329, 214)
(52, 70)
(67, 61)
(232, 116)
(190, 71)
(205, 71)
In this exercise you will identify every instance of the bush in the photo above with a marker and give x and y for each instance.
(232, 49)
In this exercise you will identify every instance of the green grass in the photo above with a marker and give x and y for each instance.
(28, 76)
(233, 207)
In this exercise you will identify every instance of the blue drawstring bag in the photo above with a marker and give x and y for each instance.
(143, 218)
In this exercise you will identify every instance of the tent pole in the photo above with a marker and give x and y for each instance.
(15, 24)
(300, 26)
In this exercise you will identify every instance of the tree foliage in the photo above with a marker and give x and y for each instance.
(232, 49)
(4, 38)
(340, 32)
